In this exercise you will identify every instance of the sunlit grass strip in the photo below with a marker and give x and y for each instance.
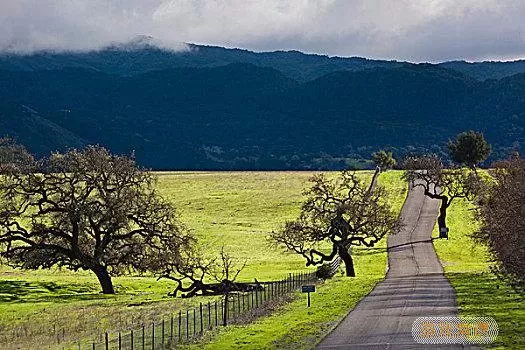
(478, 291)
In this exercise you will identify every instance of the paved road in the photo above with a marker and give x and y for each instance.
(414, 287)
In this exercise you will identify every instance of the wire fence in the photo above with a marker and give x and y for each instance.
(186, 326)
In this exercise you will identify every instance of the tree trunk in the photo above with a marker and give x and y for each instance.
(104, 278)
(347, 259)
(442, 218)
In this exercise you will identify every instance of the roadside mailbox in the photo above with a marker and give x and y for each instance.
(308, 289)
(443, 232)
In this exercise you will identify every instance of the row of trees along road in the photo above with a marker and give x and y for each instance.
(502, 220)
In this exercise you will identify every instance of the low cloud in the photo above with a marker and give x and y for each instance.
(414, 30)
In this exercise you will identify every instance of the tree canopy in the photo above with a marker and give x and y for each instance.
(342, 212)
(384, 160)
(469, 148)
(87, 210)
(14, 157)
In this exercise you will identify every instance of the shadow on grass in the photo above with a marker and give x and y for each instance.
(24, 291)
(482, 294)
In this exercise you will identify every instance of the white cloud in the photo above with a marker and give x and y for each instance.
(415, 30)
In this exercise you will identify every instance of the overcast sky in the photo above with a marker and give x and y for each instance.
(413, 30)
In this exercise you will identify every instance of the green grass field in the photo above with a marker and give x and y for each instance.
(478, 291)
(236, 210)
(294, 326)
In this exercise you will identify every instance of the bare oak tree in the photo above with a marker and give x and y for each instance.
(87, 210)
(342, 212)
(441, 183)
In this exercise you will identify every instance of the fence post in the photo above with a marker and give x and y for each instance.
(238, 304)
(119, 341)
(233, 308)
(107, 341)
(187, 324)
(200, 311)
(132, 340)
(209, 316)
(194, 322)
(225, 311)
(180, 325)
(171, 328)
(162, 333)
(153, 336)
(143, 336)
(216, 315)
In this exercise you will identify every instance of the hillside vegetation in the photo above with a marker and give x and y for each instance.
(215, 108)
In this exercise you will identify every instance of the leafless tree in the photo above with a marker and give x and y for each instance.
(343, 212)
(502, 217)
(441, 183)
(87, 210)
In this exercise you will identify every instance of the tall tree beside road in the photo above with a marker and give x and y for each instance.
(342, 212)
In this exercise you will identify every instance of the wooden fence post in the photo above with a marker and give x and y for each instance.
(180, 326)
(202, 324)
(153, 336)
(209, 316)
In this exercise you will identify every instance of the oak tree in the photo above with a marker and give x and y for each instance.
(384, 160)
(469, 148)
(444, 184)
(341, 213)
(87, 210)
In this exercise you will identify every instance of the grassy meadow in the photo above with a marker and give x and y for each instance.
(293, 325)
(478, 291)
(232, 209)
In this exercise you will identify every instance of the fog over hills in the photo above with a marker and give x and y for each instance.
(205, 107)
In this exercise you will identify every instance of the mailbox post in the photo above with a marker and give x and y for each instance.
(308, 289)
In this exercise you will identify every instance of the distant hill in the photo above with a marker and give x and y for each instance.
(29, 128)
(486, 70)
(216, 108)
(142, 55)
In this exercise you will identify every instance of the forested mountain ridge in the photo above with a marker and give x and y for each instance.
(227, 114)
(142, 55)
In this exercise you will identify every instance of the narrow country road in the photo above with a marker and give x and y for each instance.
(414, 287)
